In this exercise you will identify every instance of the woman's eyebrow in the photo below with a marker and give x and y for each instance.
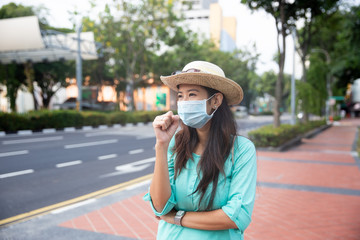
(190, 90)
(196, 90)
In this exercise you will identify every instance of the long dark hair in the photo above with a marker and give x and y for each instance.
(218, 147)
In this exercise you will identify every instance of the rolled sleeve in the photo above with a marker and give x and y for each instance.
(170, 204)
(243, 186)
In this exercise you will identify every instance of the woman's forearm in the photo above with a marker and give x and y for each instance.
(211, 220)
(160, 190)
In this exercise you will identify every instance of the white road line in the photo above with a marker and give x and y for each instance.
(60, 210)
(7, 154)
(88, 144)
(32, 140)
(67, 164)
(107, 156)
(13, 174)
(136, 151)
(147, 160)
(130, 167)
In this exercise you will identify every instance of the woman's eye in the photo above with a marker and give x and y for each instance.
(179, 96)
(192, 94)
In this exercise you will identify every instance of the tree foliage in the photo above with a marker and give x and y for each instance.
(51, 77)
(131, 33)
(238, 65)
(338, 35)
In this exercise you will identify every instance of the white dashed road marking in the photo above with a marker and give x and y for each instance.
(88, 144)
(136, 151)
(33, 140)
(15, 153)
(107, 156)
(13, 174)
(67, 164)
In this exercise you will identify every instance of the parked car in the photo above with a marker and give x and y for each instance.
(240, 111)
(70, 103)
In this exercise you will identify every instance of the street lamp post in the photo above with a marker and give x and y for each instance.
(79, 69)
(293, 96)
(328, 87)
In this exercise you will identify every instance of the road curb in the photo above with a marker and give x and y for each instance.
(94, 195)
(71, 129)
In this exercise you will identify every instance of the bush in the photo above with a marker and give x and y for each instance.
(118, 118)
(95, 119)
(54, 119)
(12, 122)
(268, 136)
(59, 119)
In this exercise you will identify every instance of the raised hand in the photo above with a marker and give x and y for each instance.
(165, 127)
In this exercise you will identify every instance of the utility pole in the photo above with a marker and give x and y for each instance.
(293, 96)
(79, 69)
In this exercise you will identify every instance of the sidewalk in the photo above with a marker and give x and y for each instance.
(309, 192)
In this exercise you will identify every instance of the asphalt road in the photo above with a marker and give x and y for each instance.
(42, 169)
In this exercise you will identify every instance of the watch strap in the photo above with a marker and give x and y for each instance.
(178, 216)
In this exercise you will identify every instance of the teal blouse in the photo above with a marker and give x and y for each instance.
(235, 194)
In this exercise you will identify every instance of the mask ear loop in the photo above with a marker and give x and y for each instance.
(216, 108)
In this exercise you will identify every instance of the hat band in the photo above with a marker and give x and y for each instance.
(190, 70)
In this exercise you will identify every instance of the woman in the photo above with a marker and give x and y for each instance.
(204, 179)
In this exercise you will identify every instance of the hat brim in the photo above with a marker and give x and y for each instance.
(232, 91)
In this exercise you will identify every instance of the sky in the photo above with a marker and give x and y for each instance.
(252, 27)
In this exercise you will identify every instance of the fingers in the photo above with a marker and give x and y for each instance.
(164, 121)
(175, 123)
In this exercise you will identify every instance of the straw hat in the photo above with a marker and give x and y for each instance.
(208, 75)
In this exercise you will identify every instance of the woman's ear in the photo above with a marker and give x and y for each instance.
(217, 100)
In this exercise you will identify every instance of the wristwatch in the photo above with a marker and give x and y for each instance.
(178, 216)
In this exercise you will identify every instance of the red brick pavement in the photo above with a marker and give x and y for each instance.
(323, 162)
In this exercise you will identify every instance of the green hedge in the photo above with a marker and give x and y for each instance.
(37, 120)
(268, 136)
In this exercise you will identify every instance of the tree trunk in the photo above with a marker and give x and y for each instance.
(281, 52)
(29, 73)
(46, 98)
(11, 90)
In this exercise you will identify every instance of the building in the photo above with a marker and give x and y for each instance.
(206, 18)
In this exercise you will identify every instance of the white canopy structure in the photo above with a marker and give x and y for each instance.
(22, 40)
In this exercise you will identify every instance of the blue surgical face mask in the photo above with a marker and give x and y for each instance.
(193, 113)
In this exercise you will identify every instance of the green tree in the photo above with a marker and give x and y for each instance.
(12, 76)
(238, 65)
(346, 55)
(339, 36)
(50, 77)
(131, 32)
(284, 15)
(266, 84)
(309, 11)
